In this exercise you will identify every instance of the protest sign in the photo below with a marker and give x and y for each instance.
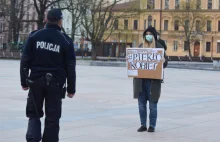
(145, 62)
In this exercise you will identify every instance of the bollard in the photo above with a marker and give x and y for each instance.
(215, 64)
(218, 65)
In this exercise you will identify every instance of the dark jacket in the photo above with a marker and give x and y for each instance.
(155, 85)
(162, 42)
(49, 51)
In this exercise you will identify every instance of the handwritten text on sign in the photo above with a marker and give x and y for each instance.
(144, 61)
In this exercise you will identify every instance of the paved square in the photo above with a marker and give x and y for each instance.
(104, 109)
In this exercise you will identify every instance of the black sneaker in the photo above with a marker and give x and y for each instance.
(142, 129)
(151, 129)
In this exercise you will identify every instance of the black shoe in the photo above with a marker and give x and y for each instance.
(142, 129)
(151, 129)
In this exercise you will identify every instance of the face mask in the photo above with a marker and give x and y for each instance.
(149, 38)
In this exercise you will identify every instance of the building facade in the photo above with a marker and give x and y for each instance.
(159, 16)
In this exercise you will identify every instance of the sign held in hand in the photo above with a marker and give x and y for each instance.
(145, 62)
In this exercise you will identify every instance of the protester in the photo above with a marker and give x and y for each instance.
(148, 89)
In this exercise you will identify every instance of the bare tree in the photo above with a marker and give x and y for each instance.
(2, 15)
(188, 23)
(41, 6)
(13, 12)
(76, 14)
(122, 32)
(98, 20)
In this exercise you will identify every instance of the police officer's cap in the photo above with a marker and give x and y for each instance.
(54, 14)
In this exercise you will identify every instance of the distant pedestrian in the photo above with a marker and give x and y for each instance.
(162, 42)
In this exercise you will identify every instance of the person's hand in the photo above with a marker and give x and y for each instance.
(25, 88)
(70, 95)
(163, 59)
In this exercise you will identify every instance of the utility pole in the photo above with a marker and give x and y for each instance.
(212, 48)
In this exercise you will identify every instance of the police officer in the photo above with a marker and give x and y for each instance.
(49, 55)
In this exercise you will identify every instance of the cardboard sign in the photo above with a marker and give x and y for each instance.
(145, 62)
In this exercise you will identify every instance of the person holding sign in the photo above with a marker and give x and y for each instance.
(147, 89)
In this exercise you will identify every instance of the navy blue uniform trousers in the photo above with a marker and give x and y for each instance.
(51, 95)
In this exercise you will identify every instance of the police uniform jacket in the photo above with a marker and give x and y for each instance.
(49, 51)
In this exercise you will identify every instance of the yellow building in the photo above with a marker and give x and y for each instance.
(129, 30)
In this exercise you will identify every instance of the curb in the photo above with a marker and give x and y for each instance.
(176, 65)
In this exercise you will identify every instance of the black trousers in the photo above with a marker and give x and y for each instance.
(51, 94)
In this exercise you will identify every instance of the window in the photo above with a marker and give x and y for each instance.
(219, 4)
(126, 24)
(1, 27)
(176, 25)
(135, 27)
(209, 26)
(116, 24)
(21, 26)
(208, 46)
(177, 4)
(166, 4)
(165, 25)
(186, 26)
(155, 23)
(150, 4)
(134, 43)
(198, 4)
(33, 16)
(218, 47)
(27, 28)
(145, 24)
(219, 26)
(185, 46)
(149, 20)
(175, 45)
(187, 4)
(197, 25)
(209, 4)
(27, 16)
